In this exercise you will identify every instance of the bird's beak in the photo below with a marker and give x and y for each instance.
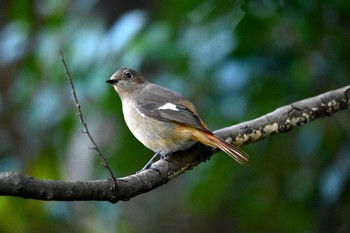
(111, 81)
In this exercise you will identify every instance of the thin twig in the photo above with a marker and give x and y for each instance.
(82, 121)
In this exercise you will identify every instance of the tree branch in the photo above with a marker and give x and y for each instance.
(286, 118)
(279, 121)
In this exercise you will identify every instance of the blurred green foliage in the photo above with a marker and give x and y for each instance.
(236, 60)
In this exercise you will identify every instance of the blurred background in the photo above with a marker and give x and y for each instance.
(236, 60)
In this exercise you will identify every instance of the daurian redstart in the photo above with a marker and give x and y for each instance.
(163, 120)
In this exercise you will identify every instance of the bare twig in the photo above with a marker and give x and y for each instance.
(82, 121)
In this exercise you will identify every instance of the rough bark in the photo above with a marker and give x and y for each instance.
(279, 121)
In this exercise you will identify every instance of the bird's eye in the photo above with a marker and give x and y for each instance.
(128, 75)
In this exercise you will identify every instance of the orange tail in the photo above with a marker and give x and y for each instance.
(209, 139)
(229, 149)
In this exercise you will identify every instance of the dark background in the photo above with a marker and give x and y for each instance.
(236, 60)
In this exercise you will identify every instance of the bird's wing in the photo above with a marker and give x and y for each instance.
(165, 105)
(171, 112)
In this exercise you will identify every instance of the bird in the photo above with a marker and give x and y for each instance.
(163, 120)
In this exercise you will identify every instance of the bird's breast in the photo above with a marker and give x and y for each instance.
(159, 136)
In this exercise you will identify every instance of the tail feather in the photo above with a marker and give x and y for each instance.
(235, 153)
(209, 139)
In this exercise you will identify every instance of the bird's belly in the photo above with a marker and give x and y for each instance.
(159, 136)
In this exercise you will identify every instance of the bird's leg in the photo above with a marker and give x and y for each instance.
(149, 163)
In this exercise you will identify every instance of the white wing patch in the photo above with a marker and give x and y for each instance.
(143, 115)
(169, 106)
